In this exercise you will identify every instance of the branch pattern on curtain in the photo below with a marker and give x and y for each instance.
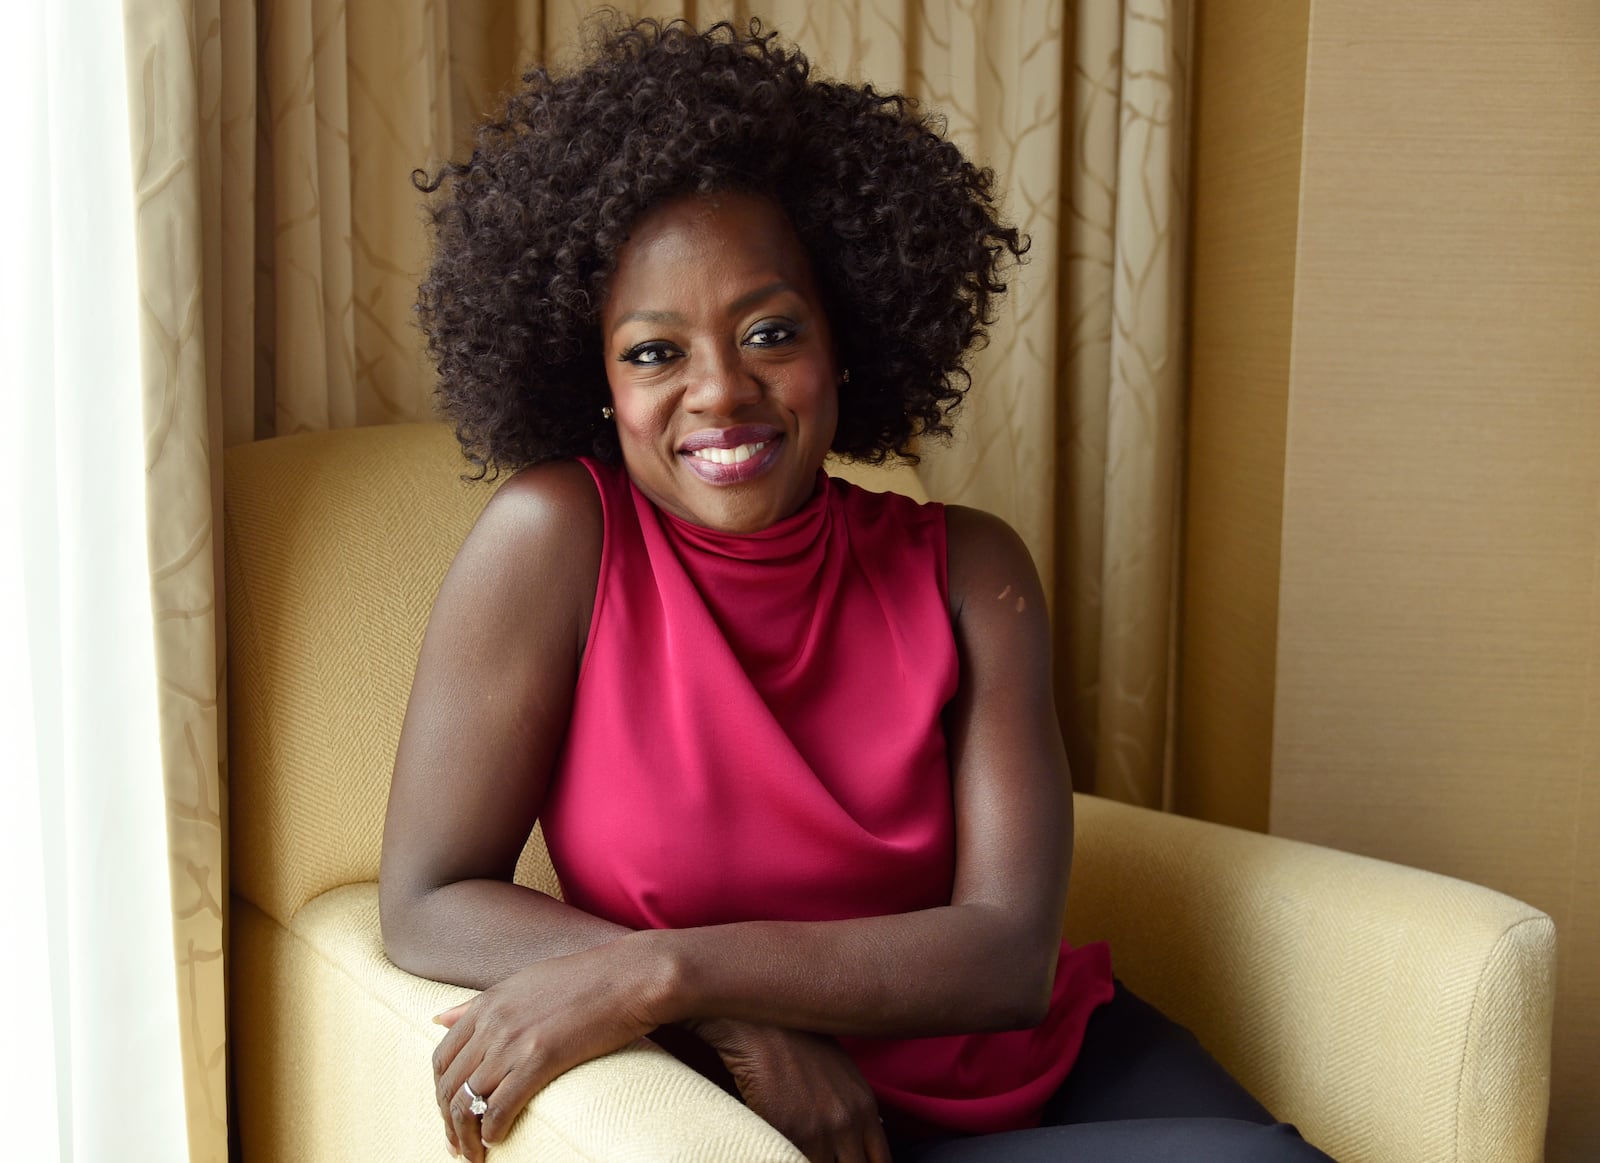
(271, 303)
(1120, 391)
(170, 63)
(348, 100)
(1073, 431)
(281, 242)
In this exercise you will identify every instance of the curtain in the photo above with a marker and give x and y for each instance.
(278, 245)
(1073, 431)
(279, 241)
(172, 70)
(1120, 392)
(94, 1069)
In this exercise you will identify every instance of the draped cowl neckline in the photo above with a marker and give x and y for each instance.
(801, 535)
(771, 592)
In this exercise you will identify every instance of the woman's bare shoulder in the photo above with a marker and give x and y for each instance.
(551, 511)
(987, 560)
(534, 553)
(558, 498)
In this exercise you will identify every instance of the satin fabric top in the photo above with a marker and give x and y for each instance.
(756, 735)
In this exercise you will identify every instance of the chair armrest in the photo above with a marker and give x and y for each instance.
(1392, 1014)
(331, 1057)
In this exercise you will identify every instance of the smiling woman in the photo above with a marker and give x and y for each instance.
(667, 285)
(723, 375)
(904, 245)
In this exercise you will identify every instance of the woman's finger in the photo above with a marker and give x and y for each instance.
(441, 1096)
(511, 1094)
(864, 1144)
(877, 1144)
(457, 1055)
(448, 1018)
(457, 1067)
(444, 1054)
(466, 1121)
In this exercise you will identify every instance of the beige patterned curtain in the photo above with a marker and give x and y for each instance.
(279, 247)
(1120, 391)
(1073, 432)
(170, 66)
(280, 242)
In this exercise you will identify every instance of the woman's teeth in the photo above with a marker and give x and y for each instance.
(729, 455)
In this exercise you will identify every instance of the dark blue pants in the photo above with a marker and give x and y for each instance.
(1142, 1091)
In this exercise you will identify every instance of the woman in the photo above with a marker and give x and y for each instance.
(793, 744)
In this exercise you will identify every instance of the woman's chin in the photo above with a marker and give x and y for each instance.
(737, 515)
(742, 507)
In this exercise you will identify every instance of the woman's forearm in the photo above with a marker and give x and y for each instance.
(479, 932)
(956, 969)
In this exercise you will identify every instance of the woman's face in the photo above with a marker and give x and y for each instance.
(721, 364)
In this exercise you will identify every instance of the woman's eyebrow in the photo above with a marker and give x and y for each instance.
(743, 303)
(647, 317)
(750, 298)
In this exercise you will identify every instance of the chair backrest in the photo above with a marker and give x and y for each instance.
(335, 545)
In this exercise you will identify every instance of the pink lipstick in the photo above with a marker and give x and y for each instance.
(726, 456)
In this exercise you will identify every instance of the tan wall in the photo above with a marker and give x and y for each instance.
(1250, 64)
(1436, 693)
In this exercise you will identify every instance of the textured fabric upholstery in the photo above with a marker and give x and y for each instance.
(1392, 1014)
(335, 545)
(348, 1039)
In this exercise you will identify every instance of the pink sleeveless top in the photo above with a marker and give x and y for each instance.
(756, 735)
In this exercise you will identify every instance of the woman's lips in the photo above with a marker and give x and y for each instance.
(727, 456)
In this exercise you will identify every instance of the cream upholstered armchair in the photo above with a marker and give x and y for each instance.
(1392, 1014)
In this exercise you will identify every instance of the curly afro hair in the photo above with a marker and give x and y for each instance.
(902, 232)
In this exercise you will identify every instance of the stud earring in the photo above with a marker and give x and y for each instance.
(845, 378)
(607, 412)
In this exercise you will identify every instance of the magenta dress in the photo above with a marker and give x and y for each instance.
(756, 735)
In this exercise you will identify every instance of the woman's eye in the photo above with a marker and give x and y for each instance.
(769, 334)
(647, 354)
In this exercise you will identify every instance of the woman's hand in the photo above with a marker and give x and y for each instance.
(514, 1038)
(805, 1086)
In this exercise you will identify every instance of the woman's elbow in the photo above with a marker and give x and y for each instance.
(1032, 985)
(400, 925)
(1024, 1010)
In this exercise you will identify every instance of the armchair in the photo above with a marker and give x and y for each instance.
(1394, 1015)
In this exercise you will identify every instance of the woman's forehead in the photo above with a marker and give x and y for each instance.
(715, 240)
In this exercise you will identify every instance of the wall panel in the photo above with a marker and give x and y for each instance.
(1249, 84)
(1438, 667)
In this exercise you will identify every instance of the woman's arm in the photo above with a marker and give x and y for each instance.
(487, 714)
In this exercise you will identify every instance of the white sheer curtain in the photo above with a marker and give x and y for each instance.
(91, 1068)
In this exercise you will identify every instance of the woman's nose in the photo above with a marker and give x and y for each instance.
(721, 384)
